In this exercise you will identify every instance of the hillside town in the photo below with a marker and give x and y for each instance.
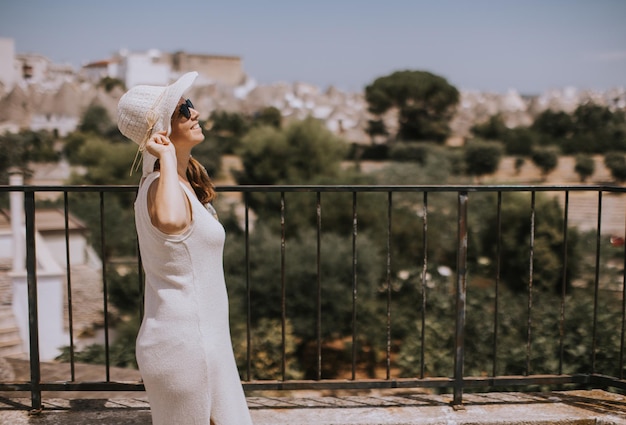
(38, 94)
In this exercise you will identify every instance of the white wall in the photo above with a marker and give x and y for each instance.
(144, 68)
(38, 64)
(8, 75)
(50, 285)
(49, 311)
(78, 249)
(64, 125)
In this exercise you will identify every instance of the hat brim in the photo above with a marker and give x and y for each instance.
(171, 97)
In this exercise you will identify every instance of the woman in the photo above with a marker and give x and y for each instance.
(184, 350)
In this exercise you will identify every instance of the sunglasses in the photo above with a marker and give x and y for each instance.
(184, 109)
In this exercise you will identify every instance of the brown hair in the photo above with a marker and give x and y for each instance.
(199, 180)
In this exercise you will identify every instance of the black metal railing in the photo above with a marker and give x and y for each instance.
(458, 382)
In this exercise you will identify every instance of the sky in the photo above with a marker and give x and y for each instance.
(485, 45)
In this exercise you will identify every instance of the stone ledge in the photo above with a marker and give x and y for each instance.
(593, 407)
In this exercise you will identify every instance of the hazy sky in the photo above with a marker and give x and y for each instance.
(487, 45)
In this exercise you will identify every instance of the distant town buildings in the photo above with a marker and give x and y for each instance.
(132, 68)
(37, 94)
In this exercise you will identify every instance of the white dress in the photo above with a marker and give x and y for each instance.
(184, 349)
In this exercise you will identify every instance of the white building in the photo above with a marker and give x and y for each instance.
(8, 70)
(50, 241)
(96, 71)
(143, 68)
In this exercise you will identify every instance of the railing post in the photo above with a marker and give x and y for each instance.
(461, 292)
(33, 321)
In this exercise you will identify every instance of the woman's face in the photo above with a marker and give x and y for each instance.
(185, 125)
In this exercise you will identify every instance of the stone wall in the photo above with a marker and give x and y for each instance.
(222, 69)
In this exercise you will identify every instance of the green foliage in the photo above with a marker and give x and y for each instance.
(119, 224)
(512, 331)
(375, 152)
(268, 116)
(96, 120)
(376, 128)
(301, 151)
(493, 129)
(616, 162)
(109, 83)
(519, 163)
(227, 128)
(301, 278)
(439, 166)
(71, 147)
(546, 159)
(411, 151)
(266, 350)
(607, 128)
(106, 162)
(125, 290)
(18, 149)
(585, 167)
(425, 103)
(520, 141)
(590, 129)
(580, 143)
(121, 351)
(438, 330)
(482, 157)
(557, 126)
(306, 153)
(515, 242)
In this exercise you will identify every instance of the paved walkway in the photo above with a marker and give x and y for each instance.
(571, 407)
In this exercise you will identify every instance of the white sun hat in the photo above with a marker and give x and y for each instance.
(144, 110)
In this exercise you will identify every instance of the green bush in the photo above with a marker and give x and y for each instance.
(410, 152)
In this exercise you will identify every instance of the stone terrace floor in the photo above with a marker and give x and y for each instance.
(381, 408)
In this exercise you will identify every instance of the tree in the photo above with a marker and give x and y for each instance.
(376, 128)
(96, 120)
(616, 162)
(303, 150)
(556, 125)
(18, 149)
(268, 116)
(585, 166)
(107, 163)
(546, 159)
(520, 141)
(227, 128)
(598, 129)
(519, 163)
(425, 103)
(266, 346)
(515, 242)
(109, 83)
(300, 278)
(410, 152)
(482, 157)
(493, 129)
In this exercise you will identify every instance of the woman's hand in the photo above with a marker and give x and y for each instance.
(159, 145)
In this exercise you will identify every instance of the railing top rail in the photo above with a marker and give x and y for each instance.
(68, 188)
(330, 188)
